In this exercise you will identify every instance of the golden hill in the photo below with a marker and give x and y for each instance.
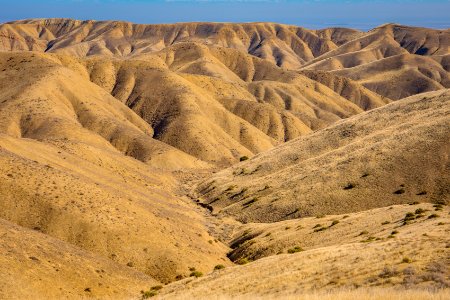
(361, 256)
(391, 155)
(114, 138)
(215, 104)
(68, 169)
(290, 47)
(37, 266)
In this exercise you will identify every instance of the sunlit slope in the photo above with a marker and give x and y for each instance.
(391, 155)
(76, 165)
(37, 266)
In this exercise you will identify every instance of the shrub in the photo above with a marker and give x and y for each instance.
(385, 223)
(408, 217)
(349, 186)
(242, 261)
(219, 267)
(295, 249)
(420, 211)
(196, 274)
(320, 229)
(433, 216)
(363, 232)
(406, 260)
(156, 287)
(335, 222)
(394, 232)
(399, 192)
(243, 158)
(148, 294)
(317, 226)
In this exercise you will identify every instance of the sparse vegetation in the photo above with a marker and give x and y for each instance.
(243, 158)
(406, 260)
(399, 191)
(433, 216)
(295, 250)
(243, 261)
(196, 274)
(219, 267)
(349, 186)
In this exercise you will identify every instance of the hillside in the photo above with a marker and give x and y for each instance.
(79, 166)
(358, 258)
(422, 54)
(391, 155)
(223, 160)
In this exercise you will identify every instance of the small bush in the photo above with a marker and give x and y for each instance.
(406, 260)
(335, 222)
(242, 261)
(196, 274)
(148, 294)
(385, 223)
(420, 211)
(295, 250)
(156, 287)
(317, 226)
(219, 267)
(394, 232)
(433, 216)
(349, 186)
(363, 232)
(399, 192)
(243, 158)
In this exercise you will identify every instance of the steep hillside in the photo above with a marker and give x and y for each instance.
(220, 104)
(392, 60)
(287, 46)
(391, 155)
(68, 169)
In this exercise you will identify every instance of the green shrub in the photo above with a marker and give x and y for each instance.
(219, 267)
(196, 274)
(242, 261)
(295, 250)
(243, 158)
(433, 216)
(148, 294)
(335, 222)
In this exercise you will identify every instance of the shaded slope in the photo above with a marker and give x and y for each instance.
(395, 154)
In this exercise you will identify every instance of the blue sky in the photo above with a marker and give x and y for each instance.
(361, 14)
